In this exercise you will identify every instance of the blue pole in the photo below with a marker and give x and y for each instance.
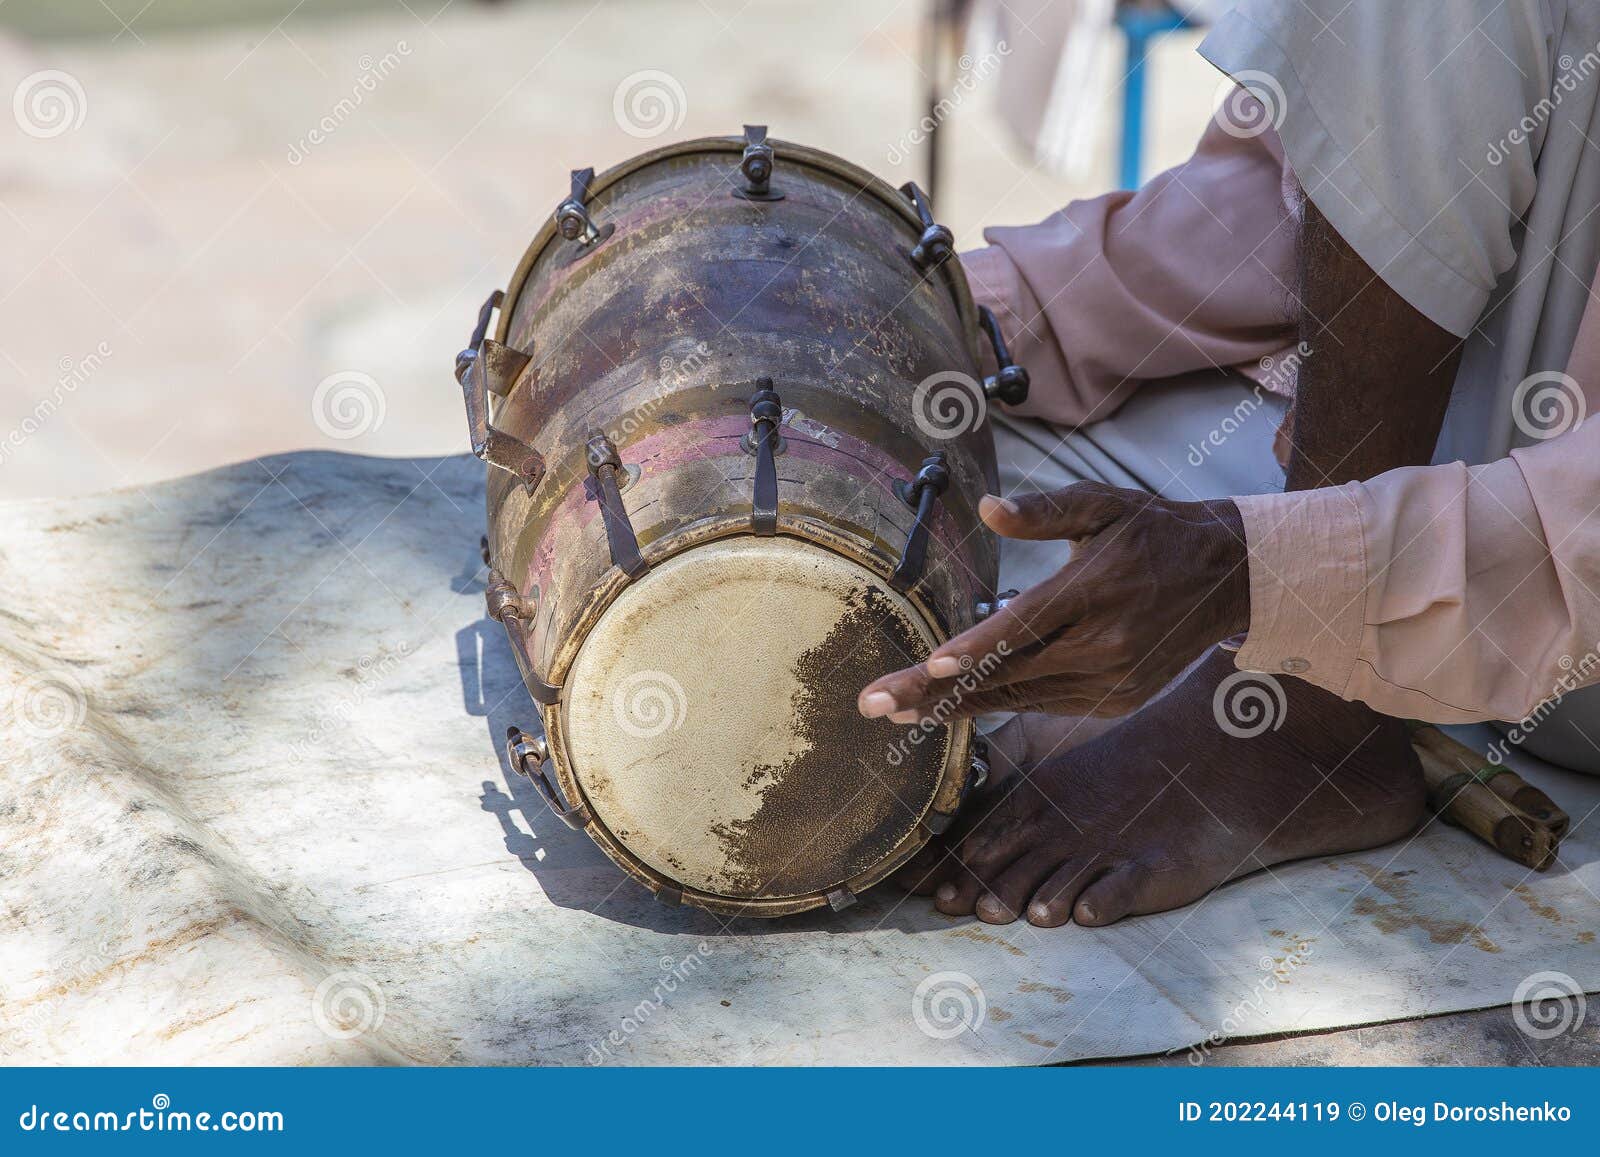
(1139, 26)
(1133, 110)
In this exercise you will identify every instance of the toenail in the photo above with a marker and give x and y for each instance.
(946, 892)
(1038, 912)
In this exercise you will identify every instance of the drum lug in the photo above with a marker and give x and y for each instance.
(841, 898)
(921, 494)
(572, 215)
(528, 754)
(605, 467)
(505, 607)
(521, 747)
(988, 607)
(937, 244)
(766, 412)
(484, 367)
(1010, 385)
(757, 165)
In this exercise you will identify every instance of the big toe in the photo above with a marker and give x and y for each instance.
(1111, 897)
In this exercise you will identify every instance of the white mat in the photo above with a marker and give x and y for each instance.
(253, 812)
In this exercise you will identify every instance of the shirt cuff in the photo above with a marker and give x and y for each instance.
(996, 282)
(1308, 584)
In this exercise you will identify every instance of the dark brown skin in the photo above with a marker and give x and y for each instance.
(1102, 635)
(1167, 805)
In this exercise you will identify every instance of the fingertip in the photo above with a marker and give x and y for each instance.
(876, 704)
(943, 666)
(992, 506)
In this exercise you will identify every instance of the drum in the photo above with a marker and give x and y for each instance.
(735, 422)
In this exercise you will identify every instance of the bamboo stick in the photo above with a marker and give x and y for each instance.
(1501, 780)
(1463, 797)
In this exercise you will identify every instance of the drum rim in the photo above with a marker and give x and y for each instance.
(830, 163)
(952, 779)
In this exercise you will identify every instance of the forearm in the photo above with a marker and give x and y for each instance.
(1371, 396)
(1471, 597)
(1195, 269)
(1375, 374)
(1444, 593)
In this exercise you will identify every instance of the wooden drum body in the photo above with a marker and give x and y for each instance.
(718, 514)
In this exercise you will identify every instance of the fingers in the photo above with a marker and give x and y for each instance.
(949, 678)
(902, 690)
(1064, 695)
(1033, 619)
(1075, 511)
(1032, 636)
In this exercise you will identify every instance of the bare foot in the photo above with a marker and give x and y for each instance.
(1168, 805)
(1023, 741)
(1029, 738)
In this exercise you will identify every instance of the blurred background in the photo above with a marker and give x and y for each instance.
(238, 227)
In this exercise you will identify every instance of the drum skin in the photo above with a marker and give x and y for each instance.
(655, 337)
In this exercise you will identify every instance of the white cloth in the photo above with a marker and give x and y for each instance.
(1063, 71)
(1453, 145)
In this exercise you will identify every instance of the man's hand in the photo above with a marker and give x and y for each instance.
(1150, 585)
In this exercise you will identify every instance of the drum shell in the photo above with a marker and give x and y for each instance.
(655, 337)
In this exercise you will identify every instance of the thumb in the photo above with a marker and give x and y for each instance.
(1076, 511)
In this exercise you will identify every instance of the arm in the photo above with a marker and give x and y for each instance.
(1152, 582)
(1194, 270)
(1476, 594)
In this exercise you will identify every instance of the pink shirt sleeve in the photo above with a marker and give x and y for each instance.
(1475, 593)
(1193, 270)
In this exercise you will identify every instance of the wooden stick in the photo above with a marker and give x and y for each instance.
(1501, 780)
(1456, 791)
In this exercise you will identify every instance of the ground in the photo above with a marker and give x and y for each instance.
(202, 263)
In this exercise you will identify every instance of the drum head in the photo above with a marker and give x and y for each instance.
(711, 720)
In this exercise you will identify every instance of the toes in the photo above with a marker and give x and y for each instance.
(1109, 898)
(1052, 901)
(1002, 832)
(929, 868)
(1007, 894)
(958, 896)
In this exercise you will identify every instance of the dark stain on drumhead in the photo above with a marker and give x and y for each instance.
(842, 806)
